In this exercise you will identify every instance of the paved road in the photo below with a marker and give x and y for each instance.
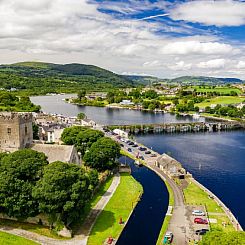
(82, 236)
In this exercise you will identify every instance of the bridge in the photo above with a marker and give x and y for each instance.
(179, 127)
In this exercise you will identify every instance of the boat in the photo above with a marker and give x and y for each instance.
(138, 163)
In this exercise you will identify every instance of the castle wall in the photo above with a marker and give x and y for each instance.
(15, 131)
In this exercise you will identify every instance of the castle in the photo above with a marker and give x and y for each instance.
(15, 131)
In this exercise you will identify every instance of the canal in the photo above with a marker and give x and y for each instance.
(146, 221)
(216, 160)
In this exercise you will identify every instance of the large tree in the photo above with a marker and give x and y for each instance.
(86, 138)
(102, 154)
(64, 190)
(19, 172)
(69, 135)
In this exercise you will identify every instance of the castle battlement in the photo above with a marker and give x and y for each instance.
(22, 117)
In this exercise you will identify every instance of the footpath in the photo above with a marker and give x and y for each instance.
(82, 235)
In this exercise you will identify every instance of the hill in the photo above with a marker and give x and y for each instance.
(146, 80)
(42, 78)
(206, 80)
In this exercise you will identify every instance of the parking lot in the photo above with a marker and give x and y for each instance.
(190, 217)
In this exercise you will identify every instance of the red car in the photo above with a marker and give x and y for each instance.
(200, 221)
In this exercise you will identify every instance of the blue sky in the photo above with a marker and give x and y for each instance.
(152, 37)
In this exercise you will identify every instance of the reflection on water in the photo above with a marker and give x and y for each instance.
(217, 160)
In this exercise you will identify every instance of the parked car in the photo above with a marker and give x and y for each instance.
(129, 150)
(153, 155)
(201, 232)
(148, 152)
(198, 213)
(122, 145)
(142, 148)
(168, 238)
(134, 145)
(131, 143)
(141, 157)
(200, 221)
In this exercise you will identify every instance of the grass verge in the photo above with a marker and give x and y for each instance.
(9, 239)
(167, 217)
(120, 205)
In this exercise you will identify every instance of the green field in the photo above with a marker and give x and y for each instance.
(221, 90)
(221, 100)
(9, 239)
(121, 205)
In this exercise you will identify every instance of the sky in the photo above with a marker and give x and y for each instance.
(141, 37)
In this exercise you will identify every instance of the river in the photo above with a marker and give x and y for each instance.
(217, 160)
(103, 115)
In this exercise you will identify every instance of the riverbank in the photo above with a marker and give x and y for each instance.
(120, 207)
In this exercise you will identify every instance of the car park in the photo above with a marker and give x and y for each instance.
(168, 238)
(198, 213)
(200, 221)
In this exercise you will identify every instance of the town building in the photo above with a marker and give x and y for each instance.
(63, 153)
(15, 131)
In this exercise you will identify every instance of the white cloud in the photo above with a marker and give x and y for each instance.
(212, 64)
(209, 12)
(241, 65)
(196, 47)
(180, 66)
(154, 63)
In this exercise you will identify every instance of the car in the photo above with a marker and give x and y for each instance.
(142, 148)
(200, 221)
(131, 143)
(122, 145)
(168, 238)
(134, 145)
(129, 150)
(148, 152)
(201, 232)
(141, 157)
(198, 213)
(153, 155)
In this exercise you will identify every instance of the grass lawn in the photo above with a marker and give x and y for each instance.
(222, 90)
(194, 195)
(229, 227)
(221, 100)
(9, 239)
(167, 218)
(121, 204)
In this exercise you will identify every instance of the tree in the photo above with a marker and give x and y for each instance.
(35, 130)
(86, 138)
(64, 190)
(69, 135)
(81, 94)
(81, 116)
(102, 154)
(19, 172)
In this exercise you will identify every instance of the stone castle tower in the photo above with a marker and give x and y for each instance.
(15, 131)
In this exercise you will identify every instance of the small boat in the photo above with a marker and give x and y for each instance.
(138, 163)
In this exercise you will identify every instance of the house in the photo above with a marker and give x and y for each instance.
(170, 166)
(63, 153)
(88, 122)
(120, 133)
(126, 102)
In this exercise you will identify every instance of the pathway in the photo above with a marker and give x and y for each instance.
(82, 235)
